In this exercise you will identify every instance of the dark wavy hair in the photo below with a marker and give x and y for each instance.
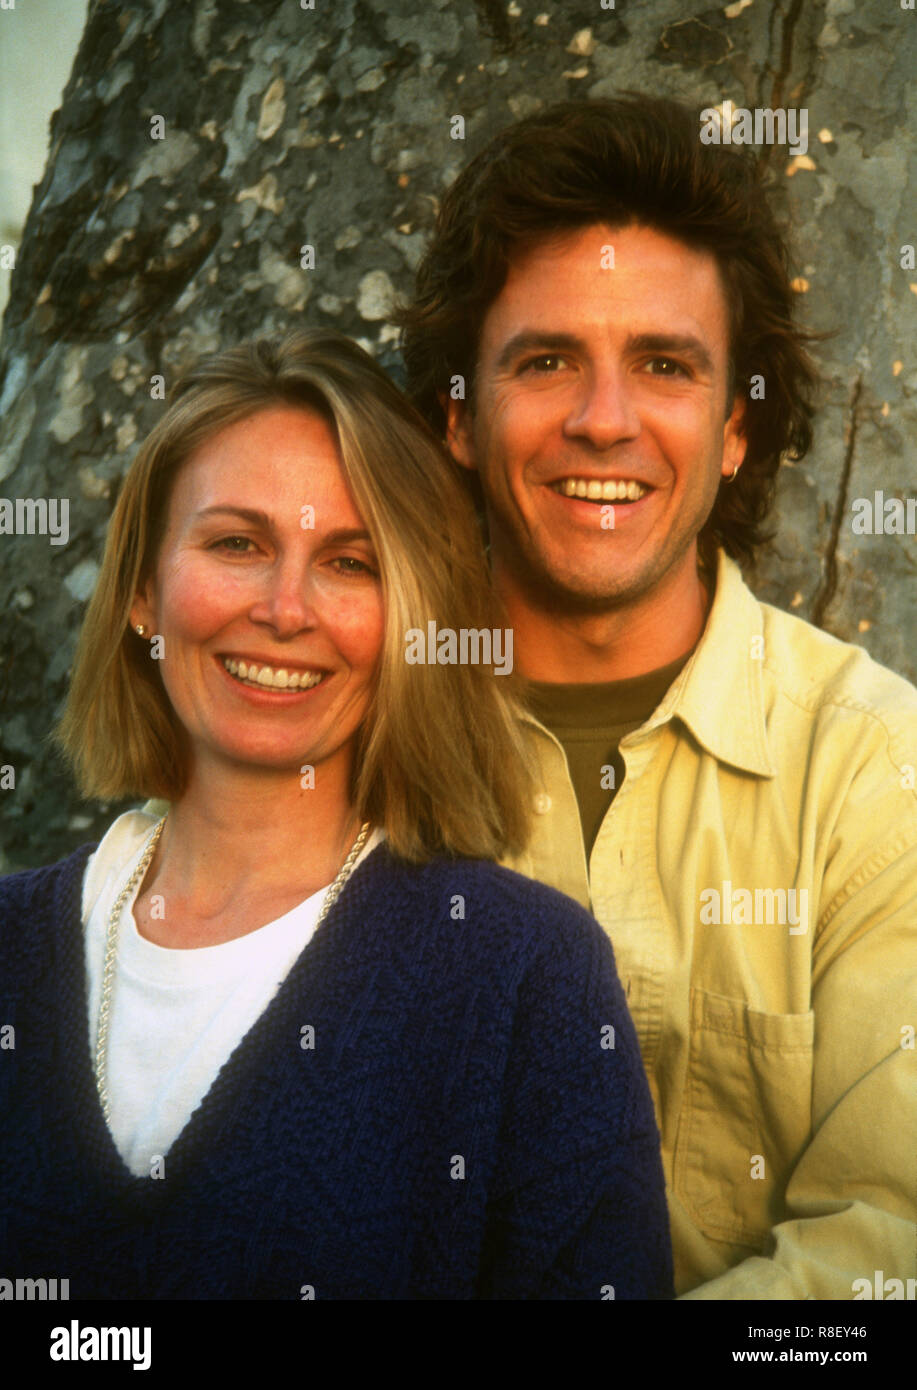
(630, 160)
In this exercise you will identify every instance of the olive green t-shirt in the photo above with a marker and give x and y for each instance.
(589, 721)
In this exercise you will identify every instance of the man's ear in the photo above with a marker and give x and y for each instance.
(735, 443)
(459, 432)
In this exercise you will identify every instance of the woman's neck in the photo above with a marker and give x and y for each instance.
(239, 850)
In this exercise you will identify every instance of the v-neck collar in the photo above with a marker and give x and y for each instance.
(96, 1147)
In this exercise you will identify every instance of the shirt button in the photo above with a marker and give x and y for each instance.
(542, 803)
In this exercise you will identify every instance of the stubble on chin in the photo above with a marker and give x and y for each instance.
(559, 590)
(562, 592)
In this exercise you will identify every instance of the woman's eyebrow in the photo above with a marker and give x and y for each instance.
(339, 536)
(345, 534)
(247, 514)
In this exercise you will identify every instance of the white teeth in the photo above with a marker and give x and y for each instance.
(268, 677)
(612, 490)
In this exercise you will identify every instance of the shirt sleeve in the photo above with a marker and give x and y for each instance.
(577, 1207)
(851, 1198)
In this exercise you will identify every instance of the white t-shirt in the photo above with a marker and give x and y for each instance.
(176, 1015)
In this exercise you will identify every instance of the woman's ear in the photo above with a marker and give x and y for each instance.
(143, 613)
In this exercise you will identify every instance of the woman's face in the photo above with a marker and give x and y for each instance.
(267, 597)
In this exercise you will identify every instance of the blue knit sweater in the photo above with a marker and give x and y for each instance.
(457, 1131)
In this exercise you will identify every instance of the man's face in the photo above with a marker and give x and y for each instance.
(599, 426)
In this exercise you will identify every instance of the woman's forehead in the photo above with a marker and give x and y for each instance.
(280, 466)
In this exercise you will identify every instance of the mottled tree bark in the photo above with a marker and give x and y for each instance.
(201, 145)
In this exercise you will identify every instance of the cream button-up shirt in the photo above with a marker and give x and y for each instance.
(757, 875)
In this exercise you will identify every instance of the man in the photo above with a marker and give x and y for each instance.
(603, 332)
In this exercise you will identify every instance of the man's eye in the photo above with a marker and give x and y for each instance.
(547, 363)
(666, 366)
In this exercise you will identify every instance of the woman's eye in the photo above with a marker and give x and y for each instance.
(233, 545)
(349, 564)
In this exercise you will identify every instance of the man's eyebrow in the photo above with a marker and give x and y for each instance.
(530, 340)
(685, 344)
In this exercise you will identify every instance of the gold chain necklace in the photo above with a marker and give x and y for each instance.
(111, 942)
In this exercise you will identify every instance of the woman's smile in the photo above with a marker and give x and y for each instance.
(260, 675)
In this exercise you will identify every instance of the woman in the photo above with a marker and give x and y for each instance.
(297, 1038)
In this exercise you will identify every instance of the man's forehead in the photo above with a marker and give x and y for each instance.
(633, 242)
(598, 274)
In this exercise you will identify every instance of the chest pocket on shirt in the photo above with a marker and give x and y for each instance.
(746, 1112)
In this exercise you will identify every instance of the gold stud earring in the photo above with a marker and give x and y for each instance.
(140, 630)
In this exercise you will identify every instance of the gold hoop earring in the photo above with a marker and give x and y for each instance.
(734, 472)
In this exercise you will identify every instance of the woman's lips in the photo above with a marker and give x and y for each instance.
(258, 675)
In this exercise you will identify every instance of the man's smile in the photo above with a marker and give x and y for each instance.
(601, 490)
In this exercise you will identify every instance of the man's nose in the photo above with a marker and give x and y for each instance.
(287, 601)
(604, 412)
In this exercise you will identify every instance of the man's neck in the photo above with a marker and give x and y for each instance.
(556, 645)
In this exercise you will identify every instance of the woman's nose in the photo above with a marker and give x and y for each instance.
(287, 601)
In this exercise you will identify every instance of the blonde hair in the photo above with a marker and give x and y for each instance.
(440, 760)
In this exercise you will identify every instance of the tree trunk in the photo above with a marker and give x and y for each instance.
(201, 146)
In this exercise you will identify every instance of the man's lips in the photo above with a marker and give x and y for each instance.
(589, 487)
(611, 514)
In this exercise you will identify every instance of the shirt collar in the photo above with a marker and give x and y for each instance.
(719, 695)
